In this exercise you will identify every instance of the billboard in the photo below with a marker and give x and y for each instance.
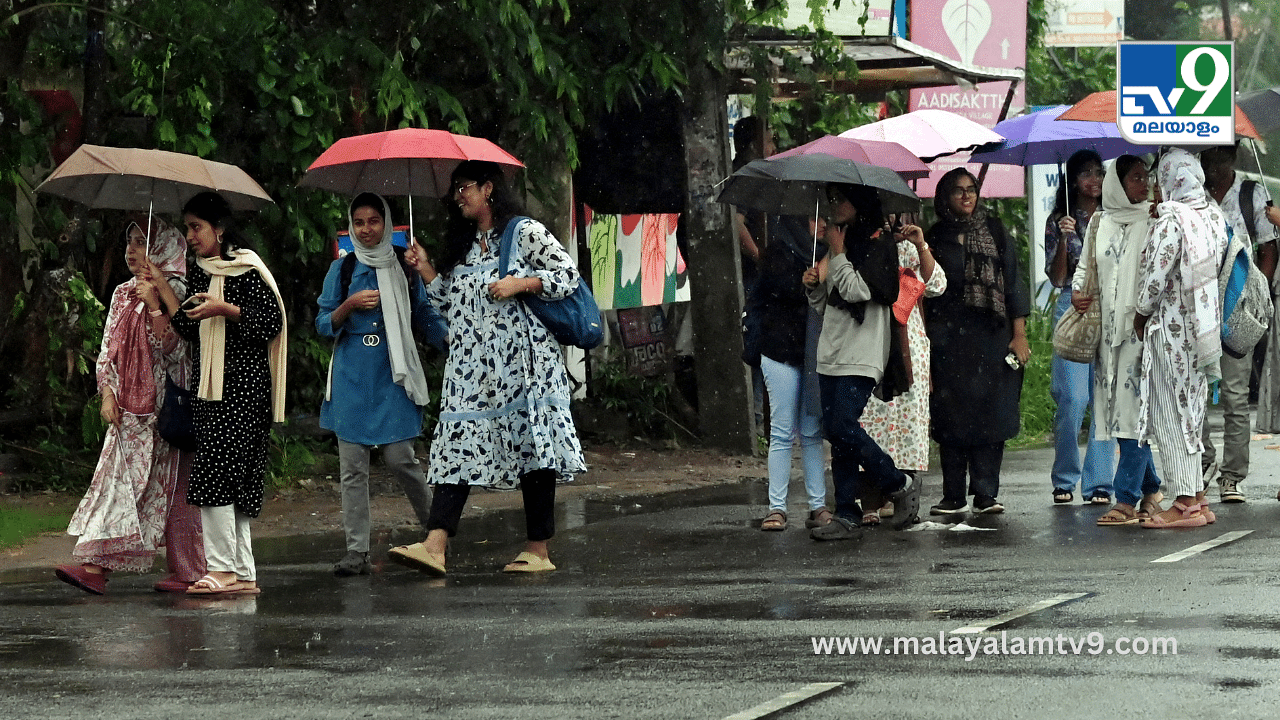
(987, 33)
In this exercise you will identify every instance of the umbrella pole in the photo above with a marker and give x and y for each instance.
(1253, 145)
(816, 200)
(410, 243)
(150, 205)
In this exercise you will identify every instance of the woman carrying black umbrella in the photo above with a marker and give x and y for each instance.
(854, 288)
(977, 328)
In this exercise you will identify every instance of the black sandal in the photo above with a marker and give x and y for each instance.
(1062, 496)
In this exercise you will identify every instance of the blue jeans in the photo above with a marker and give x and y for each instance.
(1072, 390)
(844, 397)
(1136, 475)
(792, 415)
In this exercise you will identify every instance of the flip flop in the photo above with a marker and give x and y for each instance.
(210, 585)
(417, 557)
(527, 562)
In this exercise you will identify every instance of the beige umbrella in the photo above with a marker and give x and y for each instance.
(140, 179)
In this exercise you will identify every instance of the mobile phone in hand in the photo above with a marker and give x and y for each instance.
(192, 302)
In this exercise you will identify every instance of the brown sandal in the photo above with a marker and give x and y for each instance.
(774, 521)
(1149, 506)
(1116, 516)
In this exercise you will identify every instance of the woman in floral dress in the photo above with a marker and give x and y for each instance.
(1179, 317)
(137, 501)
(504, 409)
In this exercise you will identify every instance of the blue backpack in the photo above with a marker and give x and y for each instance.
(572, 320)
(1245, 297)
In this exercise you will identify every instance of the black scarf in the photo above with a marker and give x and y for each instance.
(876, 260)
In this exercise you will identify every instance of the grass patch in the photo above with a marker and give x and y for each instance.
(1037, 406)
(19, 524)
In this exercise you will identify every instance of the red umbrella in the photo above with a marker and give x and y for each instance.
(409, 161)
(889, 155)
(1101, 107)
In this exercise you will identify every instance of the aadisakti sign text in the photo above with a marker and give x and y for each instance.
(1176, 93)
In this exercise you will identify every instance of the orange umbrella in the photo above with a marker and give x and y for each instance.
(1101, 107)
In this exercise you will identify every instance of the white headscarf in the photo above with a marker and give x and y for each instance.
(397, 307)
(1122, 227)
(1186, 210)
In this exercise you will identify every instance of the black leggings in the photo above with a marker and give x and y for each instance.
(537, 486)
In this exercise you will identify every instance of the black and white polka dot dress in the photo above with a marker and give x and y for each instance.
(232, 433)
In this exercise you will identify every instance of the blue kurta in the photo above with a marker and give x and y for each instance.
(366, 406)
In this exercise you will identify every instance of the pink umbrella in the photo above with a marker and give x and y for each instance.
(928, 134)
(889, 155)
(408, 161)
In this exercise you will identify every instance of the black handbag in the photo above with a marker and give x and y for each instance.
(176, 421)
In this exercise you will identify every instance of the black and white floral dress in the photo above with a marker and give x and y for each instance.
(504, 408)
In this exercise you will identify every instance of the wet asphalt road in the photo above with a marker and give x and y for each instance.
(676, 606)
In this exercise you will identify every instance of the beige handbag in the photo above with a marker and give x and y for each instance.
(1077, 335)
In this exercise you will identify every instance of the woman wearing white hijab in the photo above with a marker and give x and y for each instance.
(1179, 317)
(376, 388)
(1114, 242)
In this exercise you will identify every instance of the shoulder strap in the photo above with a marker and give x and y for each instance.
(349, 268)
(1247, 209)
(507, 243)
(344, 274)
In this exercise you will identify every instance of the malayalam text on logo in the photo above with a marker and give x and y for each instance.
(1176, 93)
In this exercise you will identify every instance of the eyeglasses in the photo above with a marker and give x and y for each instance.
(962, 190)
(459, 188)
(1093, 174)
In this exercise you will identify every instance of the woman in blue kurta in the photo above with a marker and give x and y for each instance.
(376, 386)
(504, 409)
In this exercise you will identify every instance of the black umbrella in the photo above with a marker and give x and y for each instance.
(796, 185)
(1262, 108)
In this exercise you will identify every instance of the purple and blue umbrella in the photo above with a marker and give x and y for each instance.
(1038, 139)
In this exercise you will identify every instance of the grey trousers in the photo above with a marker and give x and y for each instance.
(354, 469)
(1233, 393)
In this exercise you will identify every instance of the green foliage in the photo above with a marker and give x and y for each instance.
(289, 459)
(1037, 405)
(646, 402)
(18, 524)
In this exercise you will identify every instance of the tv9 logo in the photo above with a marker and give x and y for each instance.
(1176, 93)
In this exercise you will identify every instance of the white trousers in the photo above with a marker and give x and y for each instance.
(227, 545)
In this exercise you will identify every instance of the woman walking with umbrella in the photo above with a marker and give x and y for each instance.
(236, 326)
(1078, 200)
(137, 499)
(504, 415)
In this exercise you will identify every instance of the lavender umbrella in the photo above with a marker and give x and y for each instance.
(1037, 139)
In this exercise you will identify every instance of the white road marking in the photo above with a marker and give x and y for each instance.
(1209, 545)
(784, 701)
(1015, 614)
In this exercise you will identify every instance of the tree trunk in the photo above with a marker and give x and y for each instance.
(715, 275)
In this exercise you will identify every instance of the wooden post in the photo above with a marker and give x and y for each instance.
(724, 384)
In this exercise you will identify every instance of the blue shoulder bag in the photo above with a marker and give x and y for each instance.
(572, 320)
